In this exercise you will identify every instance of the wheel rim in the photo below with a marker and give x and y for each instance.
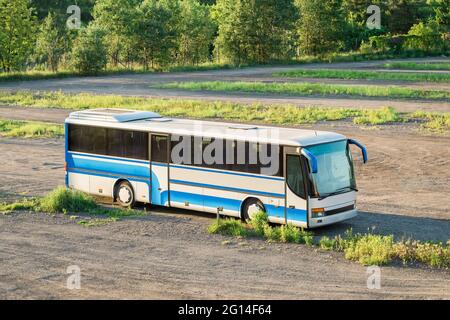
(125, 195)
(252, 210)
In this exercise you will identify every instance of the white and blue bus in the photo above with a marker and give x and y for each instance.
(302, 177)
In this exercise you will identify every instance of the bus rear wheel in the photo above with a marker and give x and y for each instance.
(251, 208)
(125, 195)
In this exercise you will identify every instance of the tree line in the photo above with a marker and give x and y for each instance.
(155, 34)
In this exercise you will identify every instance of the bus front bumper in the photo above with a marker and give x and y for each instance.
(327, 220)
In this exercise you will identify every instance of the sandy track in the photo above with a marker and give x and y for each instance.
(168, 254)
(144, 85)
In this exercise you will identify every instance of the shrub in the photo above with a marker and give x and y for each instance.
(89, 54)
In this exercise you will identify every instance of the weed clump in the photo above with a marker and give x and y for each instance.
(63, 200)
(228, 227)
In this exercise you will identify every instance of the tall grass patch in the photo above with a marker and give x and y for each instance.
(374, 117)
(366, 75)
(30, 129)
(434, 122)
(229, 227)
(417, 66)
(306, 89)
(63, 200)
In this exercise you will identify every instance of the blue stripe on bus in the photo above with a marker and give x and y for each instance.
(108, 157)
(211, 186)
(176, 166)
(128, 169)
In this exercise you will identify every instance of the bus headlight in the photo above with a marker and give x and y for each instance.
(318, 212)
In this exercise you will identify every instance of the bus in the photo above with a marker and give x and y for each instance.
(301, 177)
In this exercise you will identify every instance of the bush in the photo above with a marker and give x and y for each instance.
(89, 53)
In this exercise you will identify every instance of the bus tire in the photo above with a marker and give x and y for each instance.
(251, 207)
(125, 195)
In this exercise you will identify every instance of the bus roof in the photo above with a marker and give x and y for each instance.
(153, 122)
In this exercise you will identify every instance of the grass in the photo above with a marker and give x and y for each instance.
(46, 74)
(271, 114)
(367, 249)
(228, 111)
(434, 122)
(417, 66)
(67, 201)
(306, 89)
(366, 75)
(29, 129)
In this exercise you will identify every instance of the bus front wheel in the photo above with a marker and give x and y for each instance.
(251, 208)
(125, 195)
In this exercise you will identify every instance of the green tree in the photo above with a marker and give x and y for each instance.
(157, 32)
(17, 27)
(89, 53)
(255, 30)
(196, 32)
(321, 26)
(50, 43)
(118, 20)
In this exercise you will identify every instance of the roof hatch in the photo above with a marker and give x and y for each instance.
(114, 115)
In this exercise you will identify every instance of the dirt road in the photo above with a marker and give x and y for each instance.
(168, 253)
(144, 85)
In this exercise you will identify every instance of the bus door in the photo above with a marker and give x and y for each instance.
(296, 195)
(159, 169)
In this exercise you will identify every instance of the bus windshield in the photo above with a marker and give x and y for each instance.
(335, 172)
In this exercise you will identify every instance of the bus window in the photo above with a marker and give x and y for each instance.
(295, 175)
(159, 148)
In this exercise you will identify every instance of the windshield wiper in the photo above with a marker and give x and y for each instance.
(338, 191)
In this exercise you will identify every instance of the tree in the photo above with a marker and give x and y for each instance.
(17, 26)
(157, 31)
(117, 18)
(89, 53)
(50, 43)
(196, 31)
(255, 30)
(321, 26)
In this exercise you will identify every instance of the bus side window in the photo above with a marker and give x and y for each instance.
(159, 148)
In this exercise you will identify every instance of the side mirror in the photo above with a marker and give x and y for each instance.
(312, 159)
(363, 149)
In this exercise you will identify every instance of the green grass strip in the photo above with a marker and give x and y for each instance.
(366, 75)
(30, 129)
(417, 66)
(306, 89)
